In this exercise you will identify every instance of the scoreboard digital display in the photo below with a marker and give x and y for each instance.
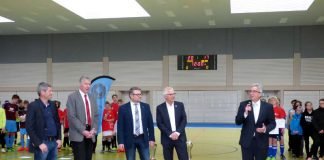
(197, 62)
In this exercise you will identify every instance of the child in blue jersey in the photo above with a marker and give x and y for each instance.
(296, 132)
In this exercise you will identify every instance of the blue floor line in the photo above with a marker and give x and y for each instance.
(211, 125)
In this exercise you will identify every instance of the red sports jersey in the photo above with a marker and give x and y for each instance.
(115, 108)
(61, 115)
(108, 120)
(66, 121)
(279, 112)
(11, 111)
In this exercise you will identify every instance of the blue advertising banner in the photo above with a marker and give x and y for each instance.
(99, 88)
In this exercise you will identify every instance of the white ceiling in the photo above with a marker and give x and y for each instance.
(45, 16)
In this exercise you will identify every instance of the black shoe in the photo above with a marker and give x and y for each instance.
(315, 158)
(282, 157)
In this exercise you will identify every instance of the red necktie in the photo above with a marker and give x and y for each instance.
(88, 109)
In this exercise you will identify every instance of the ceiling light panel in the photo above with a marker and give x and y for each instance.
(100, 9)
(283, 20)
(177, 24)
(254, 6)
(3, 20)
(320, 19)
(211, 22)
(170, 13)
(112, 26)
(209, 12)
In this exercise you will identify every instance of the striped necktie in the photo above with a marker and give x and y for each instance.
(137, 120)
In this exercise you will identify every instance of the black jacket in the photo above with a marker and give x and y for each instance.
(35, 123)
(318, 119)
(266, 117)
(164, 124)
(306, 121)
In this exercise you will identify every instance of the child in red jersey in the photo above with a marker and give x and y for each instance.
(273, 138)
(66, 141)
(11, 110)
(108, 123)
(115, 107)
(22, 118)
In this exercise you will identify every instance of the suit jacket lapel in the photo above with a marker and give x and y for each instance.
(176, 113)
(93, 104)
(142, 114)
(79, 96)
(251, 114)
(129, 110)
(165, 108)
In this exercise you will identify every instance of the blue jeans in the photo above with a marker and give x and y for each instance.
(51, 153)
(143, 150)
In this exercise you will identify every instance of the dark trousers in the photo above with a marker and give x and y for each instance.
(66, 141)
(310, 151)
(296, 142)
(254, 152)
(319, 142)
(143, 149)
(321, 145)
(114, 142)
(95, 144)
(289, 139)
(2, 139)
(51, 154)
(180, 147)
(82, 150)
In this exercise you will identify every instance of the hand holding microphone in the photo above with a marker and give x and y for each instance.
(248, 108)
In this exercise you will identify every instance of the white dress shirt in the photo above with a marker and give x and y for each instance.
(171, 116)
(85, 106)
(256, 110)
(140, 116)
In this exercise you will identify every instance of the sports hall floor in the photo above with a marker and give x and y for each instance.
(209, 143)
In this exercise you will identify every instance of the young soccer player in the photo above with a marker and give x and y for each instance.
(22, 118)
(108, 123)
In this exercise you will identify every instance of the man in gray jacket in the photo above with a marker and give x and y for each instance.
(83, 120)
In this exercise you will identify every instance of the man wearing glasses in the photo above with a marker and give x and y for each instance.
(257, 120)
(135, 126)
(171, 119)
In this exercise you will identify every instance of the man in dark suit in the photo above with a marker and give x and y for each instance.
(43, 125)
(171, 119)
(83, 120)
(258, 120)
(135, 128)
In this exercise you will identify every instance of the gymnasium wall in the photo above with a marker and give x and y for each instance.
(209, 96)
(242, 43)
(289, 61)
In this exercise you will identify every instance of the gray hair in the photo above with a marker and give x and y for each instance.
(84, 78)
(42, 86)
(258, 85)
(166, 89)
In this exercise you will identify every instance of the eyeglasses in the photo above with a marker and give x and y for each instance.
(137, 94)
(253, 91)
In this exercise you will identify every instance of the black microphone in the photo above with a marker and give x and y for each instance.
(250, 105)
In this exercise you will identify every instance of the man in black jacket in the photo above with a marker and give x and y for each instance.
(257, 120)
(43, 125)
(171, 119)
(318, 122)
